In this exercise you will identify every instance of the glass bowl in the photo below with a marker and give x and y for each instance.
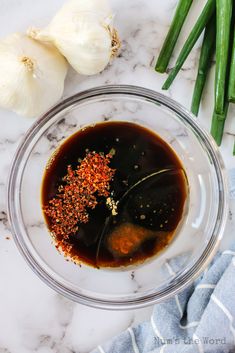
(200, 233)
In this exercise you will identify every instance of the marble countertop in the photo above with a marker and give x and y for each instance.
(33, 318)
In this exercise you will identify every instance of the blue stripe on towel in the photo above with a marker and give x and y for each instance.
(200, 319)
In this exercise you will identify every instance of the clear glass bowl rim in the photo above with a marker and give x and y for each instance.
(202, 262)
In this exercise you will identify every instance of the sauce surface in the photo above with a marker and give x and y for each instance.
(148, 212)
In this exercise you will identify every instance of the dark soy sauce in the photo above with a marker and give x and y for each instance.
(147, 216)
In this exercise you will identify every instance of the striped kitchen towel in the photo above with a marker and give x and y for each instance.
(200, 319)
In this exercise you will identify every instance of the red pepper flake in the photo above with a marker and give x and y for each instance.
(79, 193)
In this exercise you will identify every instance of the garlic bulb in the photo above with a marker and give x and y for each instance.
(31, 75)
(82, 31)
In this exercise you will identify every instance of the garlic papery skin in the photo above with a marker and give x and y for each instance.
(31, 75)
(82, 31)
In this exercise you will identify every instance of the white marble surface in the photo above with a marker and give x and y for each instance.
(33, 318)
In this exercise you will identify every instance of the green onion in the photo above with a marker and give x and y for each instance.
(173, 34)
(207, 51)
(201, 23)
(217, 127)
(231, 87)
(220, 32)
(223, 24)
(234, 149)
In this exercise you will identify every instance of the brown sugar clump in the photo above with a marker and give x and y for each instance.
(127, 238)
